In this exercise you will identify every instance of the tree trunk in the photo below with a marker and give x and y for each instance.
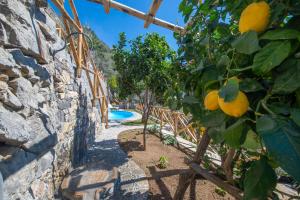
(227, 165)
(146, 102)
(186, 179)
(145, 126)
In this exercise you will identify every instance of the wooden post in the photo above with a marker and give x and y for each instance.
(161, 124)
(175, 124)
(79, 51)
(185, 180)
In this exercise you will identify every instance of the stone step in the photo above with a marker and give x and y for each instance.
(93, 181)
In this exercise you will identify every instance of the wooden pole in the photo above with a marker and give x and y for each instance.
(235, 192)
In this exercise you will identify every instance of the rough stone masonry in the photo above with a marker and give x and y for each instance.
(46, 116)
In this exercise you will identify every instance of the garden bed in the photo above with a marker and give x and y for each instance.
(163, 182)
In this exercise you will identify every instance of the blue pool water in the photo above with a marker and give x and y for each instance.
(119, 115)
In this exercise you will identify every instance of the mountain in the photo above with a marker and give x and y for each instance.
(102, 54)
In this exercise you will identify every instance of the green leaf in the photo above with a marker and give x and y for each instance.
(235, 134)
(295, 115)
(190, 100)
(224, 61)
(265, 124)
(259, 180)
(281, 137)
(280, 108)
(213, 119)
(252, 141)
(288, 81)
(247, 43)
(281, 34)
(216, 134)
(229, 90)
(250, 85)
(270, 56)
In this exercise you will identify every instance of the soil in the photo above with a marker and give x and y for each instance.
(163, 182)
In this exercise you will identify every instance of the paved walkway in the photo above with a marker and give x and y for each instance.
(133, 184)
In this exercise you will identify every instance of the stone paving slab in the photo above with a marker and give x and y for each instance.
(133, 181)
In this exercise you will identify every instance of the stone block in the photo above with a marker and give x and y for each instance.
(4, 77)
(14, 129)
(27, 94)
(19, 29)
(7, 60)
(30, 65)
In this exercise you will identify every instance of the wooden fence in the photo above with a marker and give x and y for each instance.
(79, 48)
(178, 121)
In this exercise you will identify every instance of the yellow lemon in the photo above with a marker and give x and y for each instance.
(235, 108)
(211, 100)
(255, 17)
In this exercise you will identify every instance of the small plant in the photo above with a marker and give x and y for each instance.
(153, 129)
(163, 162)
(169, 140)
(220, 192)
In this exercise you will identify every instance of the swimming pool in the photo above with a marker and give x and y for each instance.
(119, 115)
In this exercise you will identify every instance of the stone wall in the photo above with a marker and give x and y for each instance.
(46, 116)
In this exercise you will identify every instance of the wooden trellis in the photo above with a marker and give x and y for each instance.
(82, 55)
(178, 121)
(148, 17)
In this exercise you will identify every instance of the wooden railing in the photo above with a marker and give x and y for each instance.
(178, 121)
(79, 48)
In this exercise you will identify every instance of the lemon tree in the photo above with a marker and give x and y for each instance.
(238, 75)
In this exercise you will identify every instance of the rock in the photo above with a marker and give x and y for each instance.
(27, 94)
(8, 98)
(49, 35)
(3, 85)
(3, 90)
(12, 101)
(41, 3)
(29, 64)
(18, 172)
(41, 137)
(13, 73)
(34, 79)
(7, 61)
(44, 163)
(7, 151)
(14, 129)
(59, 87)
(20, 31)
(4, 77)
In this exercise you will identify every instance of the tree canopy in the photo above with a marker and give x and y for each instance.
(143, 63)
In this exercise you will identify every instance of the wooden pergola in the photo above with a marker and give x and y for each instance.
(149, 17)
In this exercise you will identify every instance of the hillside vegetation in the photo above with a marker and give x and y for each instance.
(102, 53)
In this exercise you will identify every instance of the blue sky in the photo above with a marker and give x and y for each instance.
(108, 26)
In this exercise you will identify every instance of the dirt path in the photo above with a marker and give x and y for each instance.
(163, 182)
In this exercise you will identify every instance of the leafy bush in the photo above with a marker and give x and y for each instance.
(169, 140)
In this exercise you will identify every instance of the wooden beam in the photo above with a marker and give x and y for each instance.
(141, 15)
(152, 12)
(65, 14)
(235, 192)
(106, 4)
(74, 12)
